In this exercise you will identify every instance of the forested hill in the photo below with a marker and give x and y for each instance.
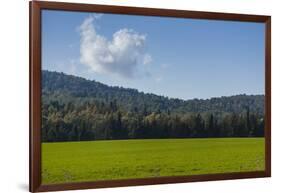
(68, 88)
(76, 109)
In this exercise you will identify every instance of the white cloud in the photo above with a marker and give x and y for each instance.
(123, 55)
(147, 59)
(97, 15)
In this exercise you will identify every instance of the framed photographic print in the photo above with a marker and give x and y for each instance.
(123, 96)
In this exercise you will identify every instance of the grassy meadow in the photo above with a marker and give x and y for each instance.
(122, 159)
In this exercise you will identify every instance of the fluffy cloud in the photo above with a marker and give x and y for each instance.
(122, 55)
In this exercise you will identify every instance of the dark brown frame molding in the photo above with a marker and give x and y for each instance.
(35, 93)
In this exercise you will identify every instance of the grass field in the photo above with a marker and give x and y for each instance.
(121, 159)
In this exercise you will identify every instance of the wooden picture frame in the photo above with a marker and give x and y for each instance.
(35, 93)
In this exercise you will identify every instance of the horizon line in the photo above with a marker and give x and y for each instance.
(171, 98)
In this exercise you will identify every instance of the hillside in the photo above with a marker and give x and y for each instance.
(76, 109)
(68, 88)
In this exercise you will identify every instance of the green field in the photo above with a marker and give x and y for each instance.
(120, 159)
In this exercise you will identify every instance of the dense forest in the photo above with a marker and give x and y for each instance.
(76, 109)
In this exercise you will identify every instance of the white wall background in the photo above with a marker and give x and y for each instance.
(14, 96)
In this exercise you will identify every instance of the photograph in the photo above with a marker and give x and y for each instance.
(128, 96)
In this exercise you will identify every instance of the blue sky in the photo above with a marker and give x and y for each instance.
(179, 58)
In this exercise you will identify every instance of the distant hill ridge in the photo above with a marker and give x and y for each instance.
(58, 86)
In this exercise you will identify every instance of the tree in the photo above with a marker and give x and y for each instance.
(210, 126)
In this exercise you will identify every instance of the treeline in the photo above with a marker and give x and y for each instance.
(94, 120)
